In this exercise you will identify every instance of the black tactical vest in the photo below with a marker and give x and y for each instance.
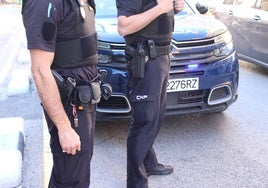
(160, 30)
(82, 49)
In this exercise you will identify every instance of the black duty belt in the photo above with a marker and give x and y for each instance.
(162, 50)
(155, 50)
(151, 50)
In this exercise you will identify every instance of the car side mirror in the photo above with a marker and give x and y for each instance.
(202, 9)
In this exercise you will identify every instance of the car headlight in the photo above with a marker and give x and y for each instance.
(227, 47)
(226, 37)
(224, 50)
(104, 45)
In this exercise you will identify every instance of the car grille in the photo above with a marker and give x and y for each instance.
(220, 93)
(185, 54)
(118, 46)
(114, 102)
(184, 98)
(117, 103)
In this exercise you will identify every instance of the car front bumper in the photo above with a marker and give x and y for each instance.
(217, 90)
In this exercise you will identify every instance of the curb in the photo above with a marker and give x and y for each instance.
(19, 83)
(12, 139)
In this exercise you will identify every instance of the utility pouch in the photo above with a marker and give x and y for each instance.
(89, 93)
(152, 50)
(96, 92)
(84, 94)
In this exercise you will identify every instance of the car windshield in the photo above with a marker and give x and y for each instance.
(107, 8)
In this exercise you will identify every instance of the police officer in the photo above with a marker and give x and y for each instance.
(61, 36)
(147, 27)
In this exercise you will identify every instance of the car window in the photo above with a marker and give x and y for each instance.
(106, 8)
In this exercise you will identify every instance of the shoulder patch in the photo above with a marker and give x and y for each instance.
(48, 31)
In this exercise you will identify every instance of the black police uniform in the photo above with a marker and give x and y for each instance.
(148, 94)
(67, 28)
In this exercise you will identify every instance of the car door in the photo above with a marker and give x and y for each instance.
(257, 34)
(249, 27)
(237, 22)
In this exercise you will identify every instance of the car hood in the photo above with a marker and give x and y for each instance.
(193, 27)
(107, 30)
(197, 27)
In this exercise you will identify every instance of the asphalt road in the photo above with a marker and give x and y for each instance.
(228, 149)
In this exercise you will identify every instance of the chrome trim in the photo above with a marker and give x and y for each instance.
(116, 111)
(222, 100)
(192, 41)
(118, 44)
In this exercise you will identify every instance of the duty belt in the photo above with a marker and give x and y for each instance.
(150, 49)
(162, 50)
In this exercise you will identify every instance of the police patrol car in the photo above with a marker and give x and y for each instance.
(204, 68)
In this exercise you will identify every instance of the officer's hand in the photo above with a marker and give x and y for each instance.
(178, 5)
(69, 140)
(165, 5)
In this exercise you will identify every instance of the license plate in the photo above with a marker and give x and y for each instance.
(182, 84)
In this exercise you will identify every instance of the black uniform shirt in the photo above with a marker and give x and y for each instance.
(160, 30)
(41, 19)
(129, 8)
(47, 21)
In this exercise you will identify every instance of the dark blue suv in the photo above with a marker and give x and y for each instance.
(204, 65)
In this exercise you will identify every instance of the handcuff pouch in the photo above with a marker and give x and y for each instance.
(84, 94)
(89, 94)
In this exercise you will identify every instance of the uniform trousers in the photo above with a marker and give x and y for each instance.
(148, 99)
(73, 171)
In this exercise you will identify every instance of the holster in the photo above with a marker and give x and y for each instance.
(66, 88)
(140, 55)
(137, 60)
